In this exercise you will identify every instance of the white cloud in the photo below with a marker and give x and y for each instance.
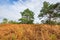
(8, 12)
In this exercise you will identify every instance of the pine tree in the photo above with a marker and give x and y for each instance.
(51, 11)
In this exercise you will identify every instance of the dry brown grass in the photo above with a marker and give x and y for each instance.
(29, 32)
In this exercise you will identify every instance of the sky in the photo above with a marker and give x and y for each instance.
(11, 9)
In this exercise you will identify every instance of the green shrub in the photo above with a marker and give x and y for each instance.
(53, 37)
(13, 37)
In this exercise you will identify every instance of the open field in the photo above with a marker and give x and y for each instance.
(29, 32)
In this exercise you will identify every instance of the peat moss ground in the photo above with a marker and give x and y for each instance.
(29, 32)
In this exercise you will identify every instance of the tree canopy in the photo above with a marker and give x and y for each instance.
(50, 10)
(5, 20)
(27, 17)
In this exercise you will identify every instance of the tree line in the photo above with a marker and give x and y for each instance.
(51, 11)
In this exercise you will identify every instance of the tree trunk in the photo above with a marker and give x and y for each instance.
(49, 19)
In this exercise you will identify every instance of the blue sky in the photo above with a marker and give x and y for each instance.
(11, 9)
(3, 2)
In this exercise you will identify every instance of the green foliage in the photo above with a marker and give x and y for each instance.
(49, 9)
(56, 15)
(13, 37)
(30, 22)
(50, 22)
(45, 8)
(58, 23)
(27, 12)
(27, 17)
(13, 22)
(23, 20)
(5, 20)
(53, 37)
